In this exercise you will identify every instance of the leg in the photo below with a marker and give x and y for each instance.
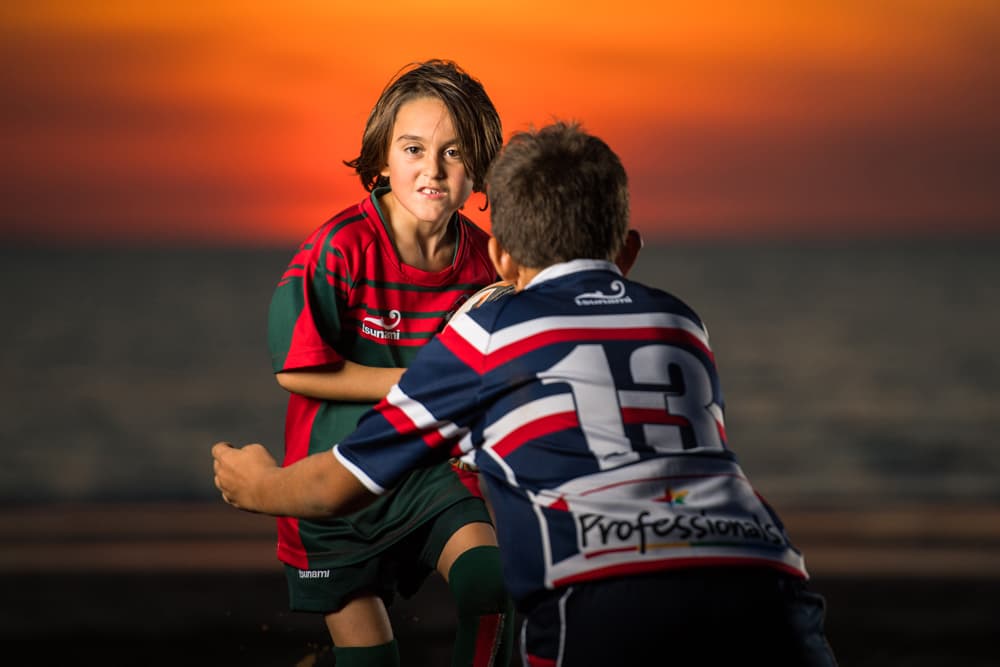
(362, 634)
(470, 563)
(468, 536)
(363, 621)
(360, 627)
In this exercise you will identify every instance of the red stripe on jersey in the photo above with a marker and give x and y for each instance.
(645, 567)
(461, 348)
(402, 422)
(536, 429)
(308, 347)
(652, 416)
(301, 413)
(396, 416)
(578, 335)
(433, 439)
(469, 479)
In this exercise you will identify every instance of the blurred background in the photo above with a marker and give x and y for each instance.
(818, 179)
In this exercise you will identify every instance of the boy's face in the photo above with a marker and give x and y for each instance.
(425, 167)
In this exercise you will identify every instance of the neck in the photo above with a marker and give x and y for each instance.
(524, 276)
(422, 244)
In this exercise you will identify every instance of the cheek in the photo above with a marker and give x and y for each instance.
(463, 175)
(466, 189)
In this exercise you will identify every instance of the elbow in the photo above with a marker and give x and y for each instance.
(283, 381)
(355, 503)
(335, 505)
(332, 491)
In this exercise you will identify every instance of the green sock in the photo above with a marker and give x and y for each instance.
(485, 634)
(383, 655)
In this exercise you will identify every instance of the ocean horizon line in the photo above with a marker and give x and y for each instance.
(990, 235)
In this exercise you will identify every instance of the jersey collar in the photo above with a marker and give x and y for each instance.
(573, 266)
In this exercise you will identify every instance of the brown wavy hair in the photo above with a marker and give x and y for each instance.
(476, 119)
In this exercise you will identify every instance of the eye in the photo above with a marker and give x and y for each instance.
(411, 150)
(453, 153)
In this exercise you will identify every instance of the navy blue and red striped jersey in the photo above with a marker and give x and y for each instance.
(592, 407)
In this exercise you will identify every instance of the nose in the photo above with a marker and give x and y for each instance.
(434, 165)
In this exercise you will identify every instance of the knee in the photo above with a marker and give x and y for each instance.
(476, 582)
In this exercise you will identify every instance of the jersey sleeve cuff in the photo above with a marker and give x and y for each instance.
(367, 481)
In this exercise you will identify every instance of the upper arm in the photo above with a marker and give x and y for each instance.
(347, 381)
(304, 313)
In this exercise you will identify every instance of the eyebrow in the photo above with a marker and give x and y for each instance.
(414, 137)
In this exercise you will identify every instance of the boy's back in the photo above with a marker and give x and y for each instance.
(598, 429)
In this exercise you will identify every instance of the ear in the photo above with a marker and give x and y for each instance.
(630, 251)
(506, 266)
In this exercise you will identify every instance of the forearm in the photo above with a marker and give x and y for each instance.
(349, 382)
(315, 487)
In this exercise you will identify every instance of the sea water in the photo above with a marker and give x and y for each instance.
(854, 374)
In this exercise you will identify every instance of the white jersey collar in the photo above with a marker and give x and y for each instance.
(573, 266)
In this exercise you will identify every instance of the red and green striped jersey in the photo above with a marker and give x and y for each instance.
(347, 295)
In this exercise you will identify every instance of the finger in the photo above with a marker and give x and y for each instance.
(220, 447)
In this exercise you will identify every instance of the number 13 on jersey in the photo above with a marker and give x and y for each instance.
(672, 395)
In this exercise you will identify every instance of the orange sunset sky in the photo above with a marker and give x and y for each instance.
(226, 122)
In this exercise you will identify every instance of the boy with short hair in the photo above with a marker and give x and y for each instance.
(628, 531)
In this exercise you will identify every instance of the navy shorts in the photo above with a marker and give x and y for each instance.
(706, 616)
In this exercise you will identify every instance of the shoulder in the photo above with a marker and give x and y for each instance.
(475, 246)
(485, 295)
(350, 231)
(356, 222)
(670, 302)
(474, 232)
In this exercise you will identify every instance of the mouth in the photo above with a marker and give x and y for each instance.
(431, 192)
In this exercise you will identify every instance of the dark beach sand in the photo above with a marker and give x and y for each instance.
(198, 585)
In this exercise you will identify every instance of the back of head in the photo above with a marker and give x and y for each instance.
(558, 194)
(476, 119)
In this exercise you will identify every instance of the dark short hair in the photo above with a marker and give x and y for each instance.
(558, 194)
(476, 119)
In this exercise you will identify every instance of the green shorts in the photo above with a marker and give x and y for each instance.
(401, 568)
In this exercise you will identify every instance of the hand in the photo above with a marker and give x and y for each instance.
(238, 472)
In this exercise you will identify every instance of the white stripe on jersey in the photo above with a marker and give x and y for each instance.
(481, 340)
(470, 331)
(422, 417)
(543, 529)
(525, 414)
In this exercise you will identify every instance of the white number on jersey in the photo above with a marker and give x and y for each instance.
(687, 398)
